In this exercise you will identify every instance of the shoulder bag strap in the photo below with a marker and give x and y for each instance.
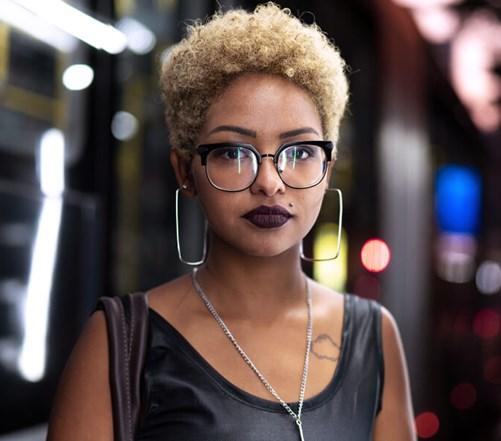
(138, 339)
(127, 327)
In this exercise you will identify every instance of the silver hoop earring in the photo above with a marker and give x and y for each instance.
(340, 226)
(178, 238)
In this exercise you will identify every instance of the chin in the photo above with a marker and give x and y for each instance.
(252, 245)
(268, 252)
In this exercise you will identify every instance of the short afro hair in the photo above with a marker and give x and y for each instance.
(268, 40)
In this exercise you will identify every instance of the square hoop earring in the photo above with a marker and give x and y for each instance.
(340, 226)
(178, 237)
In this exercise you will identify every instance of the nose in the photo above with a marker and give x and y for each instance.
(267, 181)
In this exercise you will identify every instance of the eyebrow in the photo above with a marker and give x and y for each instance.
(297, 132)
(236, 129)
(253, 134)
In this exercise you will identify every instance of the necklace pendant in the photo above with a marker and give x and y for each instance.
(300, 428)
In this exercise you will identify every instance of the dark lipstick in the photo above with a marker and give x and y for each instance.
(268, 217)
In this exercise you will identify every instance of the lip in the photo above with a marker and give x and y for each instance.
(266, 216)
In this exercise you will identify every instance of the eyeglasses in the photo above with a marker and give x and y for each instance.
(234, 166)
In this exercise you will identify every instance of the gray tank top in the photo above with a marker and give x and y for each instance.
(188, 400)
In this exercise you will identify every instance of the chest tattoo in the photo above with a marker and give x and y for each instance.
(325, 348)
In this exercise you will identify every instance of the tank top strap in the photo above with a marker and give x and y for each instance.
(366, 345)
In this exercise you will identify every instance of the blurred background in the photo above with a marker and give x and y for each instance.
(87, 193)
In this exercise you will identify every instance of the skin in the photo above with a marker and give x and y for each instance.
(264, 309)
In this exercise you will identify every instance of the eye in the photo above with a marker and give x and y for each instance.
(232, 153)
(300, 152)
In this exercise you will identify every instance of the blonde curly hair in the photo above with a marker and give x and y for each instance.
(268, 40)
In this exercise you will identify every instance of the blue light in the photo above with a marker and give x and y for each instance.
(458, 199)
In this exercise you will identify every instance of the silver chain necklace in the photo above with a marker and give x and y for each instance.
(269, 387)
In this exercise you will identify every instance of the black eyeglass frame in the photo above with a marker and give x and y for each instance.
(204, 149)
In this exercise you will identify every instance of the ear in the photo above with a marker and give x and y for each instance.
(182, 169)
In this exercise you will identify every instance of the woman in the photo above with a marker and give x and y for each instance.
(247, 347)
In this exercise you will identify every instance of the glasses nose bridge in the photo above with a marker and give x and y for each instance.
(259, 171)
(272, 156)
(268, 155)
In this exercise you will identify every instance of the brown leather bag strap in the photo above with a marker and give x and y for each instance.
(137, 350)
(127, 327)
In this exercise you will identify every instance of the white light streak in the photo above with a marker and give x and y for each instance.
(51, 166)
(75, 22)
(25, 21)
(32, 357)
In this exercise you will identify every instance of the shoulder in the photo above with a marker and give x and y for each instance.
(172, 291)
(325, 296)
(395, 421)
(392, 348)
(392, 343)
(83, 393)
(174, 300)
(327, 303)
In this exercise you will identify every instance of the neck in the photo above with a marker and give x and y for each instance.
(249, 287)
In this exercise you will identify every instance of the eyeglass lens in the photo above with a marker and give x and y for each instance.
(235, 168)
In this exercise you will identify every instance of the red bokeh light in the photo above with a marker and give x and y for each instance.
(375, 255)
(427, 424)
(463, 396)
(492, 370)
(487, 323)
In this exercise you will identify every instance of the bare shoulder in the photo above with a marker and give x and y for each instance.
(173, 299)
(394, 354)
(391, 334)
(396, 419)
(326, 298)
(328, 310)
(82, 406)
(171, 291)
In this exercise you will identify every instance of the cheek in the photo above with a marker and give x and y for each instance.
(311, 205)
(220, 208)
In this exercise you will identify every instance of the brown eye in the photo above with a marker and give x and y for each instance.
(231, 153)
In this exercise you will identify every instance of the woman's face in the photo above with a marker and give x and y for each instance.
(265, 111)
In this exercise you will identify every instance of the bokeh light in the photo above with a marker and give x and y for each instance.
(488, 277)
(78, 77)
(487, 323)
(375, 255)
(463, 396)
(438, 24)
(332, 273)
(140, 39)
(458, 199)
(456, 257)
(124, 125)
(427, 425)
(474, 53)
(425, 3)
